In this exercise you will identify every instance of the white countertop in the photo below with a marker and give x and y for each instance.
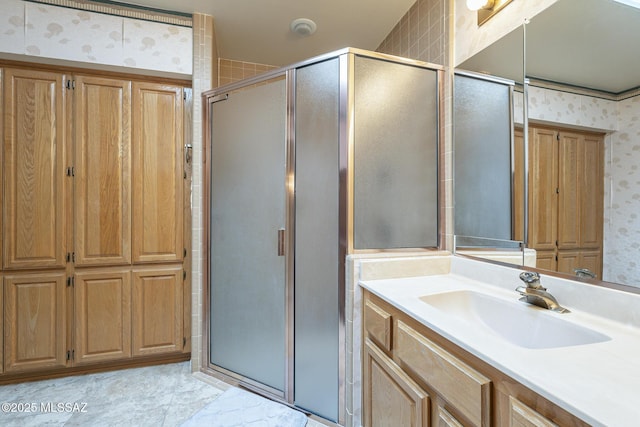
(599, 383)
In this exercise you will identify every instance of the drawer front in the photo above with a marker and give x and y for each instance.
(462, 386)
(520, 415)
(377, 323)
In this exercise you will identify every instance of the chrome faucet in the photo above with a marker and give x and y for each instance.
(584, 273)
(534, 293)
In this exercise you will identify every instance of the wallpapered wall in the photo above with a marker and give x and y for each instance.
(47, 31)
(621, 121)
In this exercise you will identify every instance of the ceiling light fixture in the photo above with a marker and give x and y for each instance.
(303, 26)
(486, 8)
(479, 4)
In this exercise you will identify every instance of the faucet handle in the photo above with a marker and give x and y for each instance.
(529, 277)
(532, 279)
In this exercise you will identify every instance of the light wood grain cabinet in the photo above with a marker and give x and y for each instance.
(34, 321)
(102, 321)
(102, 171)
(425, 380)
(566, 198)
(34, 169)
(394, 398)
(93, 220)
(157, 310)
(158, 181)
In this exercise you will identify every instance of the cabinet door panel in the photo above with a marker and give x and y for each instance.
(520, 415)
(34, 140)
(591, 173)
(157, 310)
(391, 398)
(103, 182)
(543, 181)
(158, 178)
(102, 316)
(570, 146)
(34, 313)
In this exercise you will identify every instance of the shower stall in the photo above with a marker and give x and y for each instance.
(305, 165)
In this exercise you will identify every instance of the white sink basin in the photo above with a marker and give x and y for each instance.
(516, 322)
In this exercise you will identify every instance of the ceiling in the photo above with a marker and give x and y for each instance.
(591, 44)
(258, 30)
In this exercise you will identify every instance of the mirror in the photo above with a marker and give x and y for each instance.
(584, 73)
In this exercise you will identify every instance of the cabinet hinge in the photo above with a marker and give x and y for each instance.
(185, 252)
(184, 275)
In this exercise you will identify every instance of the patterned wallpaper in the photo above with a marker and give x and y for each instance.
(622, 222)
(77, 35)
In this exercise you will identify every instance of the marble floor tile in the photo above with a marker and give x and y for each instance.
(164, 395)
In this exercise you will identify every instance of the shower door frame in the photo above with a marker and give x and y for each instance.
(219, 95)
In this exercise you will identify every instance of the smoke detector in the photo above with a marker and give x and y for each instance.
(303, 26)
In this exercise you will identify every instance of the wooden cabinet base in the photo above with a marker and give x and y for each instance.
(137, 362)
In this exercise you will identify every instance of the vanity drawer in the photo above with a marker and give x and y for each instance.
(462, 386)
(377, 323)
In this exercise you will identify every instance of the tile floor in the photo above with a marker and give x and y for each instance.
(164, 395)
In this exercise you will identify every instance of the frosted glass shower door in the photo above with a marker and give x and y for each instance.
(248, 201)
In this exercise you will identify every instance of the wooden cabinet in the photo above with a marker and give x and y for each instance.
(34, 321)
(394, 398)
(102, 324)
(157, 310)
(102, 171)
(34, 169)
(158, 181)
(520, 415)
(566, 198)
(93, 189)
(422, 379)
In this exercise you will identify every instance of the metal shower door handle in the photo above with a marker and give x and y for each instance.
(281, 242)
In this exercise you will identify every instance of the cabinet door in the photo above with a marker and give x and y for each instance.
(546, 260)
(543, 181)
(520, 415)
(569, 187)
(158, 177)
(102, 315)
(102, 171)
(34, 321)
(591, 175)
(391, 398)
(157, 310)
(34, 144)
(445, 419)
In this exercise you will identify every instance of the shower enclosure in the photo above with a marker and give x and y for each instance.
(304, 166)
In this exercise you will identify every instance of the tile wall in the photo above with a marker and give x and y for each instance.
(233, 71)
(205, 74)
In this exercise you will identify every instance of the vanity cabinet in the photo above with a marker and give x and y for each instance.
(93, 220)
(422, 379)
